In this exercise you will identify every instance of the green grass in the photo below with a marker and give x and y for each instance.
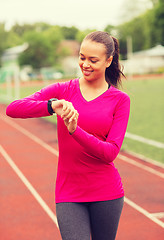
(146, 116)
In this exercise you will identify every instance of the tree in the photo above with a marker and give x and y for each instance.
(13, 39)
(81, 34)
(146, 30)
(132, 9)
(41, 26)
(110, 28)
(159, 22)
(3, 38)
(38, 53)
(133, 29)
(55, 36)
(43, 50)
(20, 30)
(154, 2)
(69, 32)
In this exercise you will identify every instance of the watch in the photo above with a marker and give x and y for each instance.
(49, 105)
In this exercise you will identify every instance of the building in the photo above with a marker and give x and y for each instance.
(9, 59)
(147, 61)
(70, 63)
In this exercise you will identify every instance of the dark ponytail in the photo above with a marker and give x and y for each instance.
(113, 73)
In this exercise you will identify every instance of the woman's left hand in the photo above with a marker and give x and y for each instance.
(71, 123)
(70, 117)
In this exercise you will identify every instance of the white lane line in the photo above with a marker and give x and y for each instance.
(145, 140)
(29, 186)
(140, 165)
(146, 159)
(31, 136)
(158, 215)
(129, 202)
(144, 212)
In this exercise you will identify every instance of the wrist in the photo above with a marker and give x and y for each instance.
(49, 105)
(72, 131)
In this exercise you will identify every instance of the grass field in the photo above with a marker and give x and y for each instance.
(146, 117)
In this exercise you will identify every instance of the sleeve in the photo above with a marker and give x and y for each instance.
(109, 149)
(35, 105)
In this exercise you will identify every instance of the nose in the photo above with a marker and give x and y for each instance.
(86, 64)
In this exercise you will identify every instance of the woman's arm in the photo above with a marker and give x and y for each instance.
(109, 149)
(35, 105)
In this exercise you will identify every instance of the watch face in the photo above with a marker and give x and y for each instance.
(53, 99)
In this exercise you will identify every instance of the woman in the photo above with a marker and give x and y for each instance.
(92, 120)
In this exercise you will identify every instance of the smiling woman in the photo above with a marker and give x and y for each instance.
(97, 53)
(99, 63)
(92, 115)
(93, 60)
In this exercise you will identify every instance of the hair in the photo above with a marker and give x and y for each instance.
(114, 72)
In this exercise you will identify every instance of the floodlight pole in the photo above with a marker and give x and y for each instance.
(17, 82)
(129, 47)
(9, 89)
(130, 53)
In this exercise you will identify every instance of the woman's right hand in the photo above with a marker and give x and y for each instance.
(57, 106)
(64, 109)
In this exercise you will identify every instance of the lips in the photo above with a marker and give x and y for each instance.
(87, 72)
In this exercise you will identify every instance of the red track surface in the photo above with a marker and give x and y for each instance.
(23, 217)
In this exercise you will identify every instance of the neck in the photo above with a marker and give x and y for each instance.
(101, 84)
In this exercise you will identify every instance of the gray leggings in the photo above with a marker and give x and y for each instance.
(79, 221)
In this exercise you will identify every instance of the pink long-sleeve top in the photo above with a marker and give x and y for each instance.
(86, 171)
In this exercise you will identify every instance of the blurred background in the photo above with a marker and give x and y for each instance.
(39, 45)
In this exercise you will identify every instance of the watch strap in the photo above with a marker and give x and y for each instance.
(49, 105)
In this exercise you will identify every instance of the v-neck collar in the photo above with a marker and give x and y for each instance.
(94, 99)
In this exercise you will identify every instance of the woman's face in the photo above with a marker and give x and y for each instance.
(93, 60)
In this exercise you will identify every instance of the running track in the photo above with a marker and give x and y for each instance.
(28, 165)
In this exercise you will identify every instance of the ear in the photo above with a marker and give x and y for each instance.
(109, 61)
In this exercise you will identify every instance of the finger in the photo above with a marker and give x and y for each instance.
(73, 120)
(64, 105)
(65, 112)
(74, 117)
(69, 115)
(67, 107)
(68, 111)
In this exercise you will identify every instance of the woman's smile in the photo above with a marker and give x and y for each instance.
(87, 72)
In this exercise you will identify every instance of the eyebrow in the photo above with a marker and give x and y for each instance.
(89, 57)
